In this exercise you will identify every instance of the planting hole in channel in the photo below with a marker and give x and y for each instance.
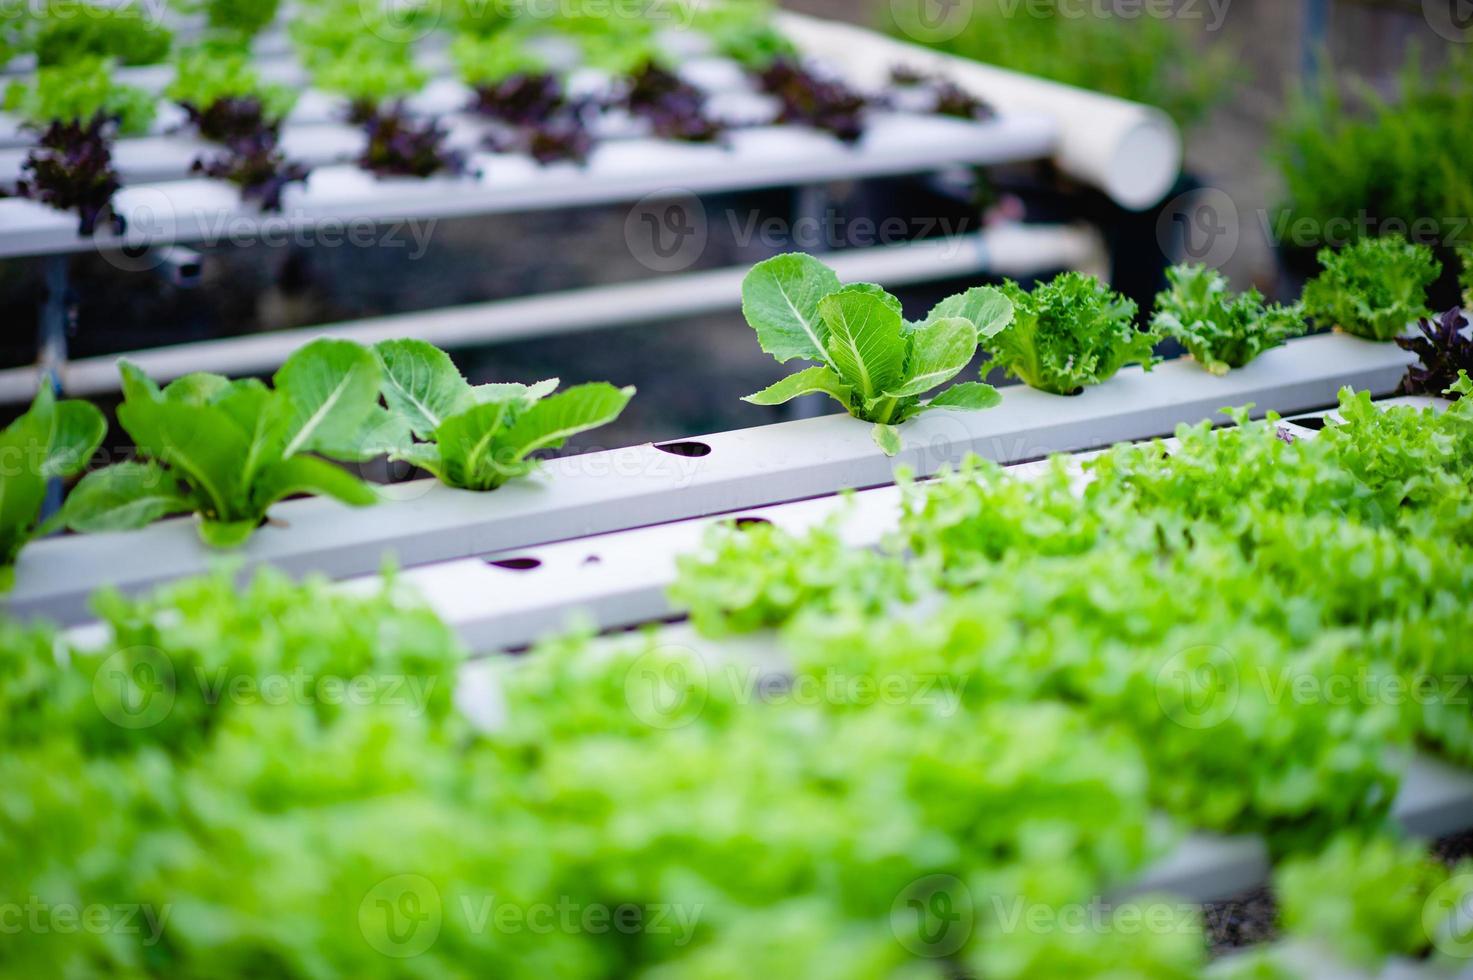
(751, 522)
(690, 450)
(1314, 424)
(517, 564)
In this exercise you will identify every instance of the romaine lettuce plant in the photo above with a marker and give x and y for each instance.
(870, 360)
(1445, 351)
(75, 108)
(227, 450)
(479, 437)
(1069, 333)
(1221, 331)
(1376, 288)
(51, 440)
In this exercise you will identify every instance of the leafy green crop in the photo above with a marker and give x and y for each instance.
(72, 30)
(758, 576)
(369, 72)
(1371, 898)
(870, 359)
(227, 450)
(479, 437)
(208, 74)
(743, 30)
(487, 60)
(1376, 288)
(76, 92)
(1144, 59)
(51, 440)
(1355, 163)
(1068, 333)
(1221, 332)
(238, 19)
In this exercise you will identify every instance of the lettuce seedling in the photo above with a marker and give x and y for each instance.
(68, 31)
(1069, 333)
(479, 437)
(227, 450)
(75, 108)
(75, 93)
(870, 360)
(1445, 351)
(224, 96)
(744, 32)
(1221, 331)
(51, 440)
(228, 104)
(1376, 288)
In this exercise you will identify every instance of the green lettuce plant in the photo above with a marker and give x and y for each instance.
(1144, 59)
(71, 30)
(1375, 288)
(1221, 331)
(1372, 898)
(227, 450)
(78, 91)
(870, 358)
(1355, 162)
(50, 441)
(478, 437)
(209, 75)
(1068, 333)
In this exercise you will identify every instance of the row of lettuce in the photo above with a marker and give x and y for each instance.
(976, 735)
(1074, 331)
(1271, 623)
(371, 59)
(227, 450)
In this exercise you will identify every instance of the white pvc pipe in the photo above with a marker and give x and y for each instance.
(1131, 151)
(1012, 250)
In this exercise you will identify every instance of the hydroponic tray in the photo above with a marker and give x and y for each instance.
(201, 210)
(578, 496)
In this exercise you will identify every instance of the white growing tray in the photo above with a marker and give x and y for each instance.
(620, 489)
(210, 212)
